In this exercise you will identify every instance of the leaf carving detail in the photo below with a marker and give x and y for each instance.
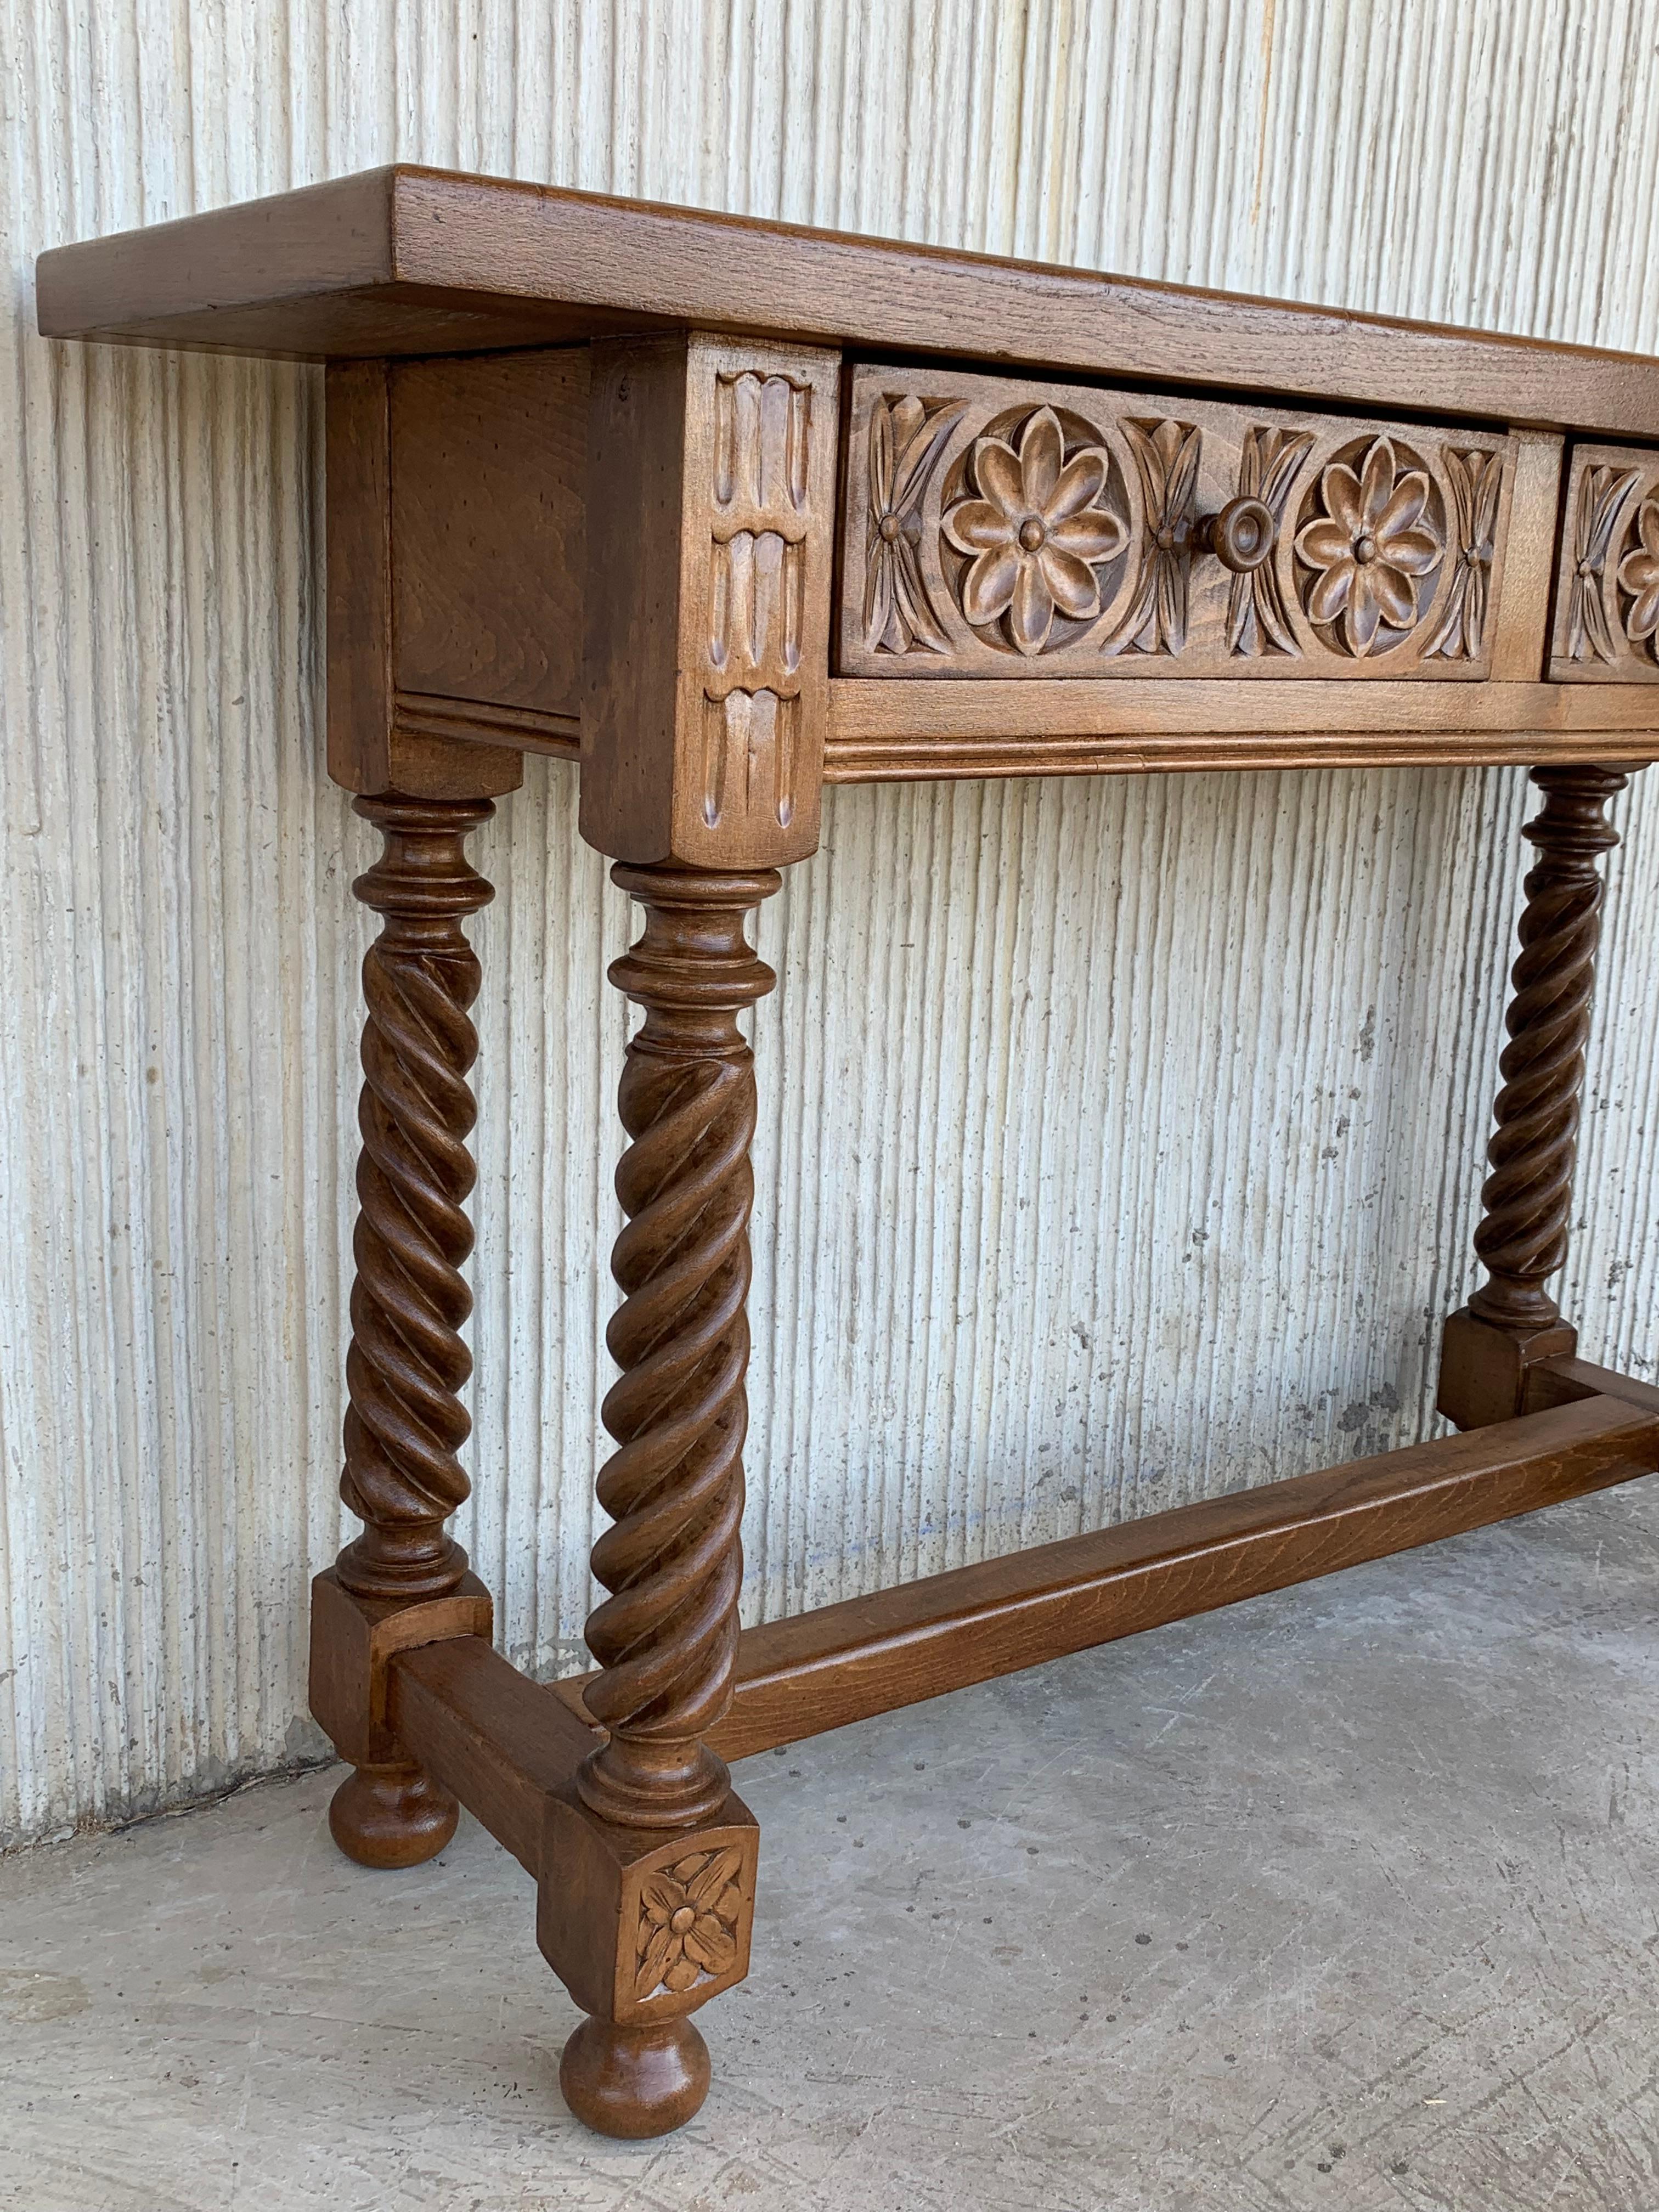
(1602, 492)
(1476, 478)
(906, 438)
(1257, 619)
(1166, 461)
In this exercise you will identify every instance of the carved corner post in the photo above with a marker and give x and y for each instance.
(1511, 1324)
(403, 1581)
(710, 513)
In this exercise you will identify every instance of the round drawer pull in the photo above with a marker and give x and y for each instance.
(1241, 536)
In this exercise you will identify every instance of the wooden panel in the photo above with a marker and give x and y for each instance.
(907, 733)
(820, 1670)
(844, 1663)
(489, 1734)
(1521, 624)
(418, 261)
(490, 460)
(1563, 1381)
(358, 622)
(1606, 591)
(370, 747)
(994, 527)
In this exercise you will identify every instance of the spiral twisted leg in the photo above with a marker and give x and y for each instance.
(667, 1636)
(406, 1425)
(1528, 1197)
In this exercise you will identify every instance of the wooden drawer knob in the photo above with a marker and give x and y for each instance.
(1241, 536)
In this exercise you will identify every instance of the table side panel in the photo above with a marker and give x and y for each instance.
(489, 499)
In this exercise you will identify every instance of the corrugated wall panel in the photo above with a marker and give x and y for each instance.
(1120, 1140)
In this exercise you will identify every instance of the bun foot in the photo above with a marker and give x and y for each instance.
(392, 1816)
(634, 2081)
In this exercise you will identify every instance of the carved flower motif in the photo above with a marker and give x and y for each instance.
(1370, 546)
(1035, 532)
(1638, 575)
(905, 439)
(688, 1922)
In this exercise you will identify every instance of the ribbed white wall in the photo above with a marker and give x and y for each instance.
(1119, 1140)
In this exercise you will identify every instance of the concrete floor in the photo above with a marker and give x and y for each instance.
(1348, 1898)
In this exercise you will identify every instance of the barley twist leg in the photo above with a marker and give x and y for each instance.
(1527, 1199)
(666, 1638)
(405, 1423)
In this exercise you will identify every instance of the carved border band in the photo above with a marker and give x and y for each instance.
(759, 536)
(1002, 526)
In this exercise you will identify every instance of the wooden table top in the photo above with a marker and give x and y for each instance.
(406, 260)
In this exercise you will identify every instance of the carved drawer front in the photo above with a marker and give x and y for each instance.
(1607, 575)
(994, 526)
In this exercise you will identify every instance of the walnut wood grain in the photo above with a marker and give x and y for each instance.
(998, 528)
(1606, 628)
(1527, 1200)
(389, 1811)
(370, 749)
(711, 500)
(419, 261)
(407, 1362)
(1521, 621)
(672, 1561)
(490, 1735)
(843, 1662)
(798, 1678)
(918, 731)
(1563, 1381)
(489, 494)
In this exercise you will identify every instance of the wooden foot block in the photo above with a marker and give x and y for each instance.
(392, 1816)
(641, 1926)
(1484, 1369)
(642, 1929)
(352, 1642)
(634, 2081)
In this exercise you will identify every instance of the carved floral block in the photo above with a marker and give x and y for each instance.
(1002, 526)
(691, 1916)
(1032, 529)
(662, 1921)
(1606, 599)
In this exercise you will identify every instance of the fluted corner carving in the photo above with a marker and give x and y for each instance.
(1527, 1199)
(406, 1425)
(666, 1638)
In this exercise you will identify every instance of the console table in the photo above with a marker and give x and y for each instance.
(719, 511)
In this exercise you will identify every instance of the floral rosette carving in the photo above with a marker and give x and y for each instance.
(1166, 461)
(1370, 551)
(1035, 532)
(1602, 492)
(1476, 479)
(690, 1918)
(906, 437)
(1639, 579)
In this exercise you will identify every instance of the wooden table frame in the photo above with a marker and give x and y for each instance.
(723, 512)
